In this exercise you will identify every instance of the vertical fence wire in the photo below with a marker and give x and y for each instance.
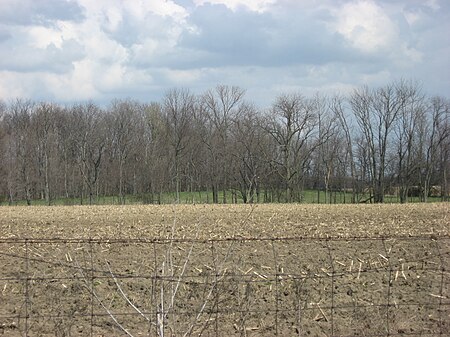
(441, 290)
(154, 290)
(277, 296)
(299, 308)
(215, 285)
(333, 273)
(389, 284)
(91, 284)
(27, 280)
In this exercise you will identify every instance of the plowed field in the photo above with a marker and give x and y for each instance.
(262, 270)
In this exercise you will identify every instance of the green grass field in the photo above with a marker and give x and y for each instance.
(205, 197)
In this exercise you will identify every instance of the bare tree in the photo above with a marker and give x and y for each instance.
(89, 144)
(329, 145)
(44, 126)
(122, 127)
(249, 141)
(291, 122)
(434, 145)
(376, 112)
(219, 108)
(178, 109)
(3, 151)
(21, 148)
(411, 119)
(156, 161)
(337, 105)
(66, 151)
(391, 138)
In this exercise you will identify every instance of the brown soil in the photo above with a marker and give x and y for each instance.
(263, 270)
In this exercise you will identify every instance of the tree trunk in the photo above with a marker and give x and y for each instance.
(47, 184)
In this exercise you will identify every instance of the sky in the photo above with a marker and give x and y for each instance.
(77, 50)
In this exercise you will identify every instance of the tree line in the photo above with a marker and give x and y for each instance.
(373, 142)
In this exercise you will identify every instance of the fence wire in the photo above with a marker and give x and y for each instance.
(292, 286)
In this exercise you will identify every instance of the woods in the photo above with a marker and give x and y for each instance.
(373, 142)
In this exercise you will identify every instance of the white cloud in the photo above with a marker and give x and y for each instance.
(183, 77)
(12, 86)
(138, 8)
(253, 5)
(378, 78)
(130, 48)
(412, 17)
(113, 17)
(42, 37)
(433, 4)
(144, 51)
(365, 25)
(77, 85)
(412, 54)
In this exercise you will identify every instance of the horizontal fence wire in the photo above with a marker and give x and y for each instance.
(162, 240)
(286, 286)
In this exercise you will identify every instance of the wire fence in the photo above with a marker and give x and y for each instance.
(293, 286)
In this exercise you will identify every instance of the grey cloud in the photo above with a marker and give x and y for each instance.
(184, 3)
(4, 35)
(28, 12)
(289, 46)
(130, 32)
(21, 58)
(282, 37)
(267, 39)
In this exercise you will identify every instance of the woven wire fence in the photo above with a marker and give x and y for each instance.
(295, 286)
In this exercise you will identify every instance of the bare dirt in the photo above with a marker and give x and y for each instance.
(262, 270)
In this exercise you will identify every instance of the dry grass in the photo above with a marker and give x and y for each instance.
(222, 221)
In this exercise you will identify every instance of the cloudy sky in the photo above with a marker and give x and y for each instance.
(73, 50)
